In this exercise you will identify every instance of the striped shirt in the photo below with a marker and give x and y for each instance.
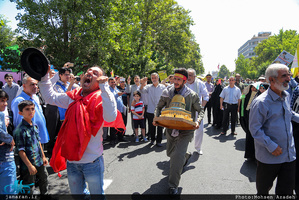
(138, 108)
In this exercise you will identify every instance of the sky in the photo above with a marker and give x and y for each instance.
(222, 26)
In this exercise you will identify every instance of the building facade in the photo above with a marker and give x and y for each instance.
(247, 49)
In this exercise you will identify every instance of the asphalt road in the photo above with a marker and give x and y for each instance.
(138, 167)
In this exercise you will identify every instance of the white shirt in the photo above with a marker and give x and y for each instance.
(200, 88)
(231, 95)
(153, 95)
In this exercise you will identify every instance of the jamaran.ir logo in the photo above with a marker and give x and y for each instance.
(18, 187)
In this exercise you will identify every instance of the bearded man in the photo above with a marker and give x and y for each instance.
(270, 125)
(178, 140)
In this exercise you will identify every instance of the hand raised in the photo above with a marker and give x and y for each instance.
(102, 79)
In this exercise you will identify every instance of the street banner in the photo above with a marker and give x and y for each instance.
(295, 67)
(284, 58)
(162, 75)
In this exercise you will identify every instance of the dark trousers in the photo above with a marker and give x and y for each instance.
(209, 107)
(53, 126)
(232, 110)
(125, 118)
(41, 176)
(120, 132)
(296, 139)
(217, 116)
(266, 174)
(145, 118)
(114, 132)
(152, 129)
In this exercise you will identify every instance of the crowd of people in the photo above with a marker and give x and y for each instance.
(67, 119)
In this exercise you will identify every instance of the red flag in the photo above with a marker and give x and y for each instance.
(218, 66)
(58, 162)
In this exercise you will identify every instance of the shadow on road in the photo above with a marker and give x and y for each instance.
(162, 186)
(224, 138)
(212, 131)
(141, 151)
(248, 169)
(240, 144)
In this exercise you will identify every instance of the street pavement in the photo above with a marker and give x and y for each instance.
(140, 168)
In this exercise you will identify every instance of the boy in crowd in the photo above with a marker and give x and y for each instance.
(33, 160)
(7, 162)
(138, 116)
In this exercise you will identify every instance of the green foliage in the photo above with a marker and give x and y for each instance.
(10, 57)
(267, 51)
(6, 34)
(223, 72)
(126, 36)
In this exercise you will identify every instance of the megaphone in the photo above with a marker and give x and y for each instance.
(34, 63)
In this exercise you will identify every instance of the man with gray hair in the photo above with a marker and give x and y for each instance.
(29, 93)
(270, 125)
(154, 92)
(201, 90)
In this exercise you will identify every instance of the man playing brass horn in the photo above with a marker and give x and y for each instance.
(178, 140)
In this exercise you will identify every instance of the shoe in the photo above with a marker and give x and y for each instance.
(188, 156)
(159, 145)
(152, 143)
(199, 152)
(122, 140)
(145, 140)
(223, 133)
(112, 142)
(173, 191)
(234, 133)
(137, 139)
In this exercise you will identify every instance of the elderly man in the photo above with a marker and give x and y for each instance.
(178, 140)
(154, 92)
(270, 125)
(199, 87)
(29, 93)
(80, 137)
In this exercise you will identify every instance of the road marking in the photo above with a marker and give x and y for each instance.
(107, 182)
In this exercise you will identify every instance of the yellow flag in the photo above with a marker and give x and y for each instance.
(295, 67)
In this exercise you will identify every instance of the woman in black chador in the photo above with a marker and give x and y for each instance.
(215, 103)
(250, 93)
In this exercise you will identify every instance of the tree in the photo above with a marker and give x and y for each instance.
(223, 72)
(128, 37)
(6, 34)
(245, 67)
(268, 50)
(9, 54)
